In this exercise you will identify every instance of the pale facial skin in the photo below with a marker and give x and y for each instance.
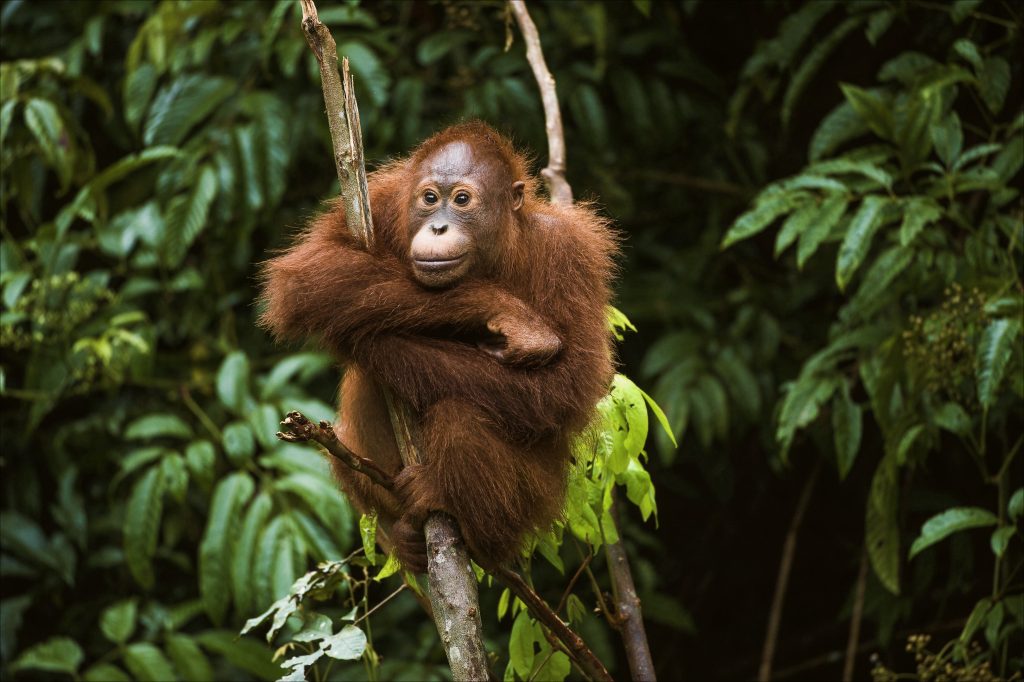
(455, 209)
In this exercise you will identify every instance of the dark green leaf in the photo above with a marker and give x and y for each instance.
(857, 241)
(181, 105)
(233, 382)
(246, 654)
(994, 352)
(188, 658)
(142, 525)
(872, 109)
(158, 426)
(215, 548)
(832, 209)
(948, 522)
(846, 429)
(881, 529)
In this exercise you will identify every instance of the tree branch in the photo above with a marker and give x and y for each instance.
(554, 174)
(627, 609)
(764, 672)
(299, 429)
(453, 590)
(629, 619)
(577, 648)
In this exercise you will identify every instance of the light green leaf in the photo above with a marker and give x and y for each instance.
(881, 528)
(969, 51)
(59, 654)
(138, 90)
(239, 444)
(188, 658)
(391, 566)
(347, 645)
(659, 416)
(117, 622)
(146, 662)
(215, 547)
(948, 522)
(994, 352)
(298, 368)
(857, 241)
(368, 533)
(233, 382)
(907, 441)
(157, 426)
(142, 525)
(520, 645)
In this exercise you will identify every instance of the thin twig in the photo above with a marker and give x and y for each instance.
(299, 429)
(554, 174)
(577, 648)
(572, 583)
(764, 673)
(379, 604)
(855, 619)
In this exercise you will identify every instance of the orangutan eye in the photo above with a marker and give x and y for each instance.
(430, 197)
(462, 198)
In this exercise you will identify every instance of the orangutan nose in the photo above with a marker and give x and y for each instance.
(438, 229)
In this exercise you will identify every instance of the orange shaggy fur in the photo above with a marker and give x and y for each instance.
(495, 437)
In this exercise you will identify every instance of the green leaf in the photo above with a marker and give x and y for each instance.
(846, 429)
(1016, 506)
(659, 416)
(1001, 539)
(146, 662)
(952, 417)
(948, 138)
(188, 658)
(215, 548)
(142, 525)
(181, 105)
(294, 369)
(391, 566)
(796, 224)
(994, 352)
(157, 426)
(245, 551)
(117, 623)
(59, 654)
(239, 444)
(175, 475)
(233, 382)
(881, 528)
(105, 672)
(907, 441)
(438, 44)
(187, 215)
(974, 621)
(832, 209)
(44, 120)
(841, 125)
(758, 218)
(872, 109)
(346, 645)
(246, 654)
(948, 522)
(138, 90)
(520, 645)
(994, 83)
(857, 241)
(368, 533)
(917, 213)
(555, 667)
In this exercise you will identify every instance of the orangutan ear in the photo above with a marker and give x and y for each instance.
(518, 194)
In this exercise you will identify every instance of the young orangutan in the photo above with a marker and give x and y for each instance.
(481, 305)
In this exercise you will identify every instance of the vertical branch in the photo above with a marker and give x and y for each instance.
(764, 672)
(453, 590)
(855, 618)
(554, 174)
(629, 619)
(627, 609)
